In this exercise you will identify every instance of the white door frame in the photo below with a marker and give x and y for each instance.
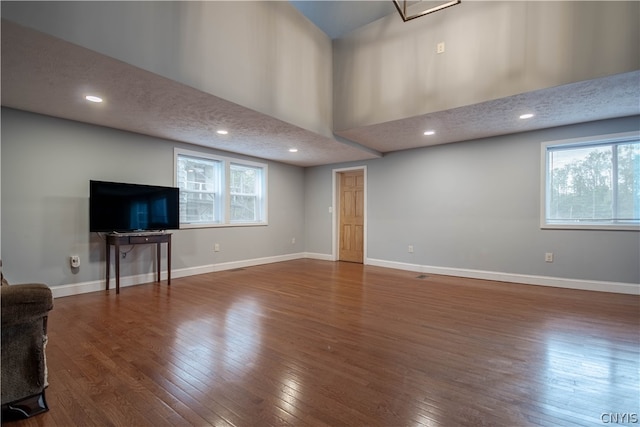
(335, 228)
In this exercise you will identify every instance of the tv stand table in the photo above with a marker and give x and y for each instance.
(118, 239)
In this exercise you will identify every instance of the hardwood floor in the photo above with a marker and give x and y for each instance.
(311, 342)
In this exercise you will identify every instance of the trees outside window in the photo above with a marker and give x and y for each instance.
(594, 183)
(246, 193)
(218, 191)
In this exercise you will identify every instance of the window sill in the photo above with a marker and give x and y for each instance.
(221, 225)
(587, 226)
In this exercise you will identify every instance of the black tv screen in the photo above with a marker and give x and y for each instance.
(122, 207)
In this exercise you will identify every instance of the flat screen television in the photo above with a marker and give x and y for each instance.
(121, 207)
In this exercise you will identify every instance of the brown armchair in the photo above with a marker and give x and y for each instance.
(24, 335)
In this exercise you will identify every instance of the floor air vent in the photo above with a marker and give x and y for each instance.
(422, 276)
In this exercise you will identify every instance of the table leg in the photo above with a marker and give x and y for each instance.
(117, 255)
(158, 251)
(108, 263)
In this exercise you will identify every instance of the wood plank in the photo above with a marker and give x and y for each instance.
(318, 343)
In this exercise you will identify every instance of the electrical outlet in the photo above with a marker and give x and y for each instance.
(216, 247)
(548, 257)
(293, 240)
(75, 261)
(410, 249)
(440, 47)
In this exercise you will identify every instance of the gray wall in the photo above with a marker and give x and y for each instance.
(266, 56)
(475, 205)
(263, 55)
(470, 205)
(46, 167)
(390, 70)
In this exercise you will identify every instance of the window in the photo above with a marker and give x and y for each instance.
(592, 183)
(199, 180)
(218, 191)
(246, 193)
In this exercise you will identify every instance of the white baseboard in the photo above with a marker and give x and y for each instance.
(322, 257)
(99, 285)
(558, 282)
(588, 285)
(77, 288)
(125, 281)
(212, 268)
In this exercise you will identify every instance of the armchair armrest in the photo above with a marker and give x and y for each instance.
(24, 303)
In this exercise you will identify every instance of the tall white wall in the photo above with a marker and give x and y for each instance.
(263, 55)
(46, 167)
(474, 206)
(390, 70)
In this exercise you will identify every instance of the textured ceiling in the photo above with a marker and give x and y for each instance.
(598, 99)
(46, 75)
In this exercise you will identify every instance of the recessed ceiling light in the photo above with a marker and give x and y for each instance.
(429, 132)
(293, 150)
(93, 98)
(526, 116)
(222, 132)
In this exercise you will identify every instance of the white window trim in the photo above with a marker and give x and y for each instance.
(226, 163)
(595, 140)
(263, 190)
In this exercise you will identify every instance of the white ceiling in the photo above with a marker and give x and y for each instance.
(46, 75)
